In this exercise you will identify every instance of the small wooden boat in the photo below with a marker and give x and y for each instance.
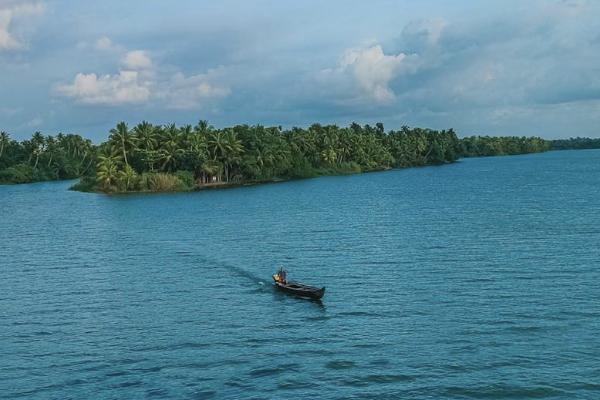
(295, 288)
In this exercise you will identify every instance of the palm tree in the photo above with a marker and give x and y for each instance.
(186, 131)
(233, 151)
(107, 172)
(217, 144)
(203, 127)
(37, 147)
(197, 151)
(170, 147)
(127, 177)
(145, 136)
(210, 169)
(224, 146)
(4, 140)
(52, 148)
(122, 137)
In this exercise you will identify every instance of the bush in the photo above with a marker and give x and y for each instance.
(187, 179)
(20, 173)
(163, 183)
(301, 168)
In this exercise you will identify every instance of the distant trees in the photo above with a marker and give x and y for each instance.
(44, 158)
(478, 146)
(124, 139)
(168, 157)
(577, 143)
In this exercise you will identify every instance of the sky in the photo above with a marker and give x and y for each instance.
(481, 67)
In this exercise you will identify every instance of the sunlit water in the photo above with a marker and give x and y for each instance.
(475, 280)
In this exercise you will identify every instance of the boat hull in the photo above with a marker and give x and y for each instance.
(300, 290)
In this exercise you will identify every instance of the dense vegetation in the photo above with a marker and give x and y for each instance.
(483, 146)
(169, 158)
(577, 143)
(44, 158)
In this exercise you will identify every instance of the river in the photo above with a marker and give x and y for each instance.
(479, 279)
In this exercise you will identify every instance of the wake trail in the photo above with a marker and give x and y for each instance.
(192, 250)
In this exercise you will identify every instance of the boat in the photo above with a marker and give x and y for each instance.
(295, 288)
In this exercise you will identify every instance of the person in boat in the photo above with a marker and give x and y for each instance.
(282, 276)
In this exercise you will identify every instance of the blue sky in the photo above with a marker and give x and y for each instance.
(494, 67)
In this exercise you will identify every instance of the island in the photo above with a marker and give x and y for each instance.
(167, 158)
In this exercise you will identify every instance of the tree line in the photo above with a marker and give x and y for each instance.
(578, 143)
(150, 157)
(483, 146)
(44, 158)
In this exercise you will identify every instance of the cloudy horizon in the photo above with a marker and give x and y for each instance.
(499, 68)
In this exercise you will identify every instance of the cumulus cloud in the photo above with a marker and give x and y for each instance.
(9, 11)
(104, 43)
(141, 81)
(372, 71)
(136, 60)
(122, 88)
(194, 91)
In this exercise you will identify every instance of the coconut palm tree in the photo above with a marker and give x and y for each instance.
(37, 143)
(145, 136)
(4, 140)
(233, 150)
(127, 178)
(210, 169)
(122, 137)
(217, 144)
(107, 172)
(170, 147)
(203, 127)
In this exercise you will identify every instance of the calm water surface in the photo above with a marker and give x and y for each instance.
(478, 280)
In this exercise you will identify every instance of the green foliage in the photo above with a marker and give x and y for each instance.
(187, 179)
(127, 179)
(161, 182)
(167, 158)
(19, 173)
(44, 158)
(577, 143)
(482, 146)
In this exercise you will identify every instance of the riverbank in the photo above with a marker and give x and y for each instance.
(175, 182)
(166, 158)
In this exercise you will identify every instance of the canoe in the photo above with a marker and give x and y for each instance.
(300, 290)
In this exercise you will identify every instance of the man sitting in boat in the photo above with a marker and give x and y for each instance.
(280, 276)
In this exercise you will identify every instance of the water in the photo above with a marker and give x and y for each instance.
(478, 280)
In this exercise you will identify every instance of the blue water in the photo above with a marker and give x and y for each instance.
(477, 280)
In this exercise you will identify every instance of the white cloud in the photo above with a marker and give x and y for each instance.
(193, 91)
(373, 70)
(9, 10)
(126, 87)
(104, 43)
(142, 82)
(136, 60)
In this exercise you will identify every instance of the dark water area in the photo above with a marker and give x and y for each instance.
(477, 280)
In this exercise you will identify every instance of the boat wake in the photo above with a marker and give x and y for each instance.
(183, 248)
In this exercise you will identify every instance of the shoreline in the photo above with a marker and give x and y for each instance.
(233, 185)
